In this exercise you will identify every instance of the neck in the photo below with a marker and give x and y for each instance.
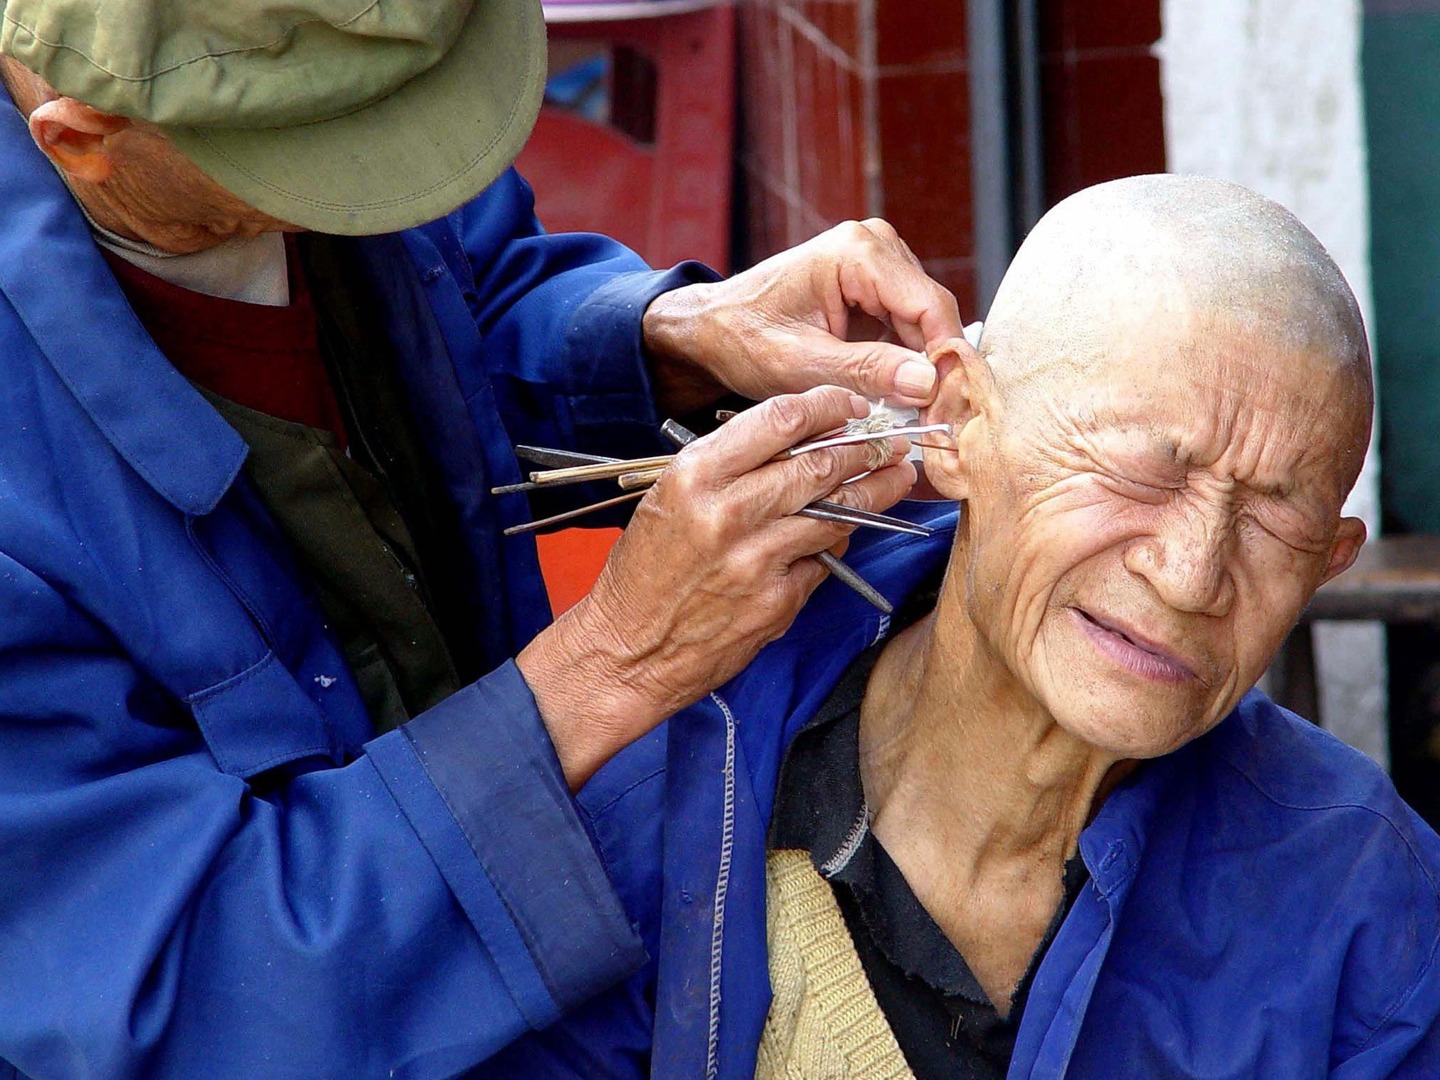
(9, 81)
(962, 767)
(975, 792)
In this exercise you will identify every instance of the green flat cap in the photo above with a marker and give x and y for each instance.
(340, 116)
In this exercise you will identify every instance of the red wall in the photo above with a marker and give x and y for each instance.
(1100, 92)
(853, 108)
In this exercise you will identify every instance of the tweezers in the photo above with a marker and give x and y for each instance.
(682, 436)
(821, 509)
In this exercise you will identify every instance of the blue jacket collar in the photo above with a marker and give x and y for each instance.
(48, 264)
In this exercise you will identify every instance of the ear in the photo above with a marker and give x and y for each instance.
(73, 135)
(964, 397)
(1348, 539)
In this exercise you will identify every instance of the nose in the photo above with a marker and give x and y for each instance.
(1187, 559)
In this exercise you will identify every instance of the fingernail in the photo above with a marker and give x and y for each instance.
(859, 407)
(915, 378)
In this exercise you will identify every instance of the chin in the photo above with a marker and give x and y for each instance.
(1126, 699)
(1131, 726)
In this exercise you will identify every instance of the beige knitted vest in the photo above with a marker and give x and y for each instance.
(824, 1021)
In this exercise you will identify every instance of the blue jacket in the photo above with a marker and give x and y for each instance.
(208, 868)
(1261, 903)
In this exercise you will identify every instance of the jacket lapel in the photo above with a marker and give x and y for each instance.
(102, 354)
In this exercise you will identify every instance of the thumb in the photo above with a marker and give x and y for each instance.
(876, 369)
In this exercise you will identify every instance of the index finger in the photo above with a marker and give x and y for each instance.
(881, 276)
(756, 435)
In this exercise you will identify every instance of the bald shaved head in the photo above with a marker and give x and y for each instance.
(1186, 248)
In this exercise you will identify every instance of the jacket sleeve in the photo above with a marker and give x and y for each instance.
(407, 914)
(1406, 1048)
(560, 316)
(1406, 1045)
(1393, 963)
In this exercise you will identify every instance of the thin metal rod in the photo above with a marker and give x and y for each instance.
(678, 433)
(844, 516)
(871, 517)
(558, 459)
(855, 581)
(682, 436)
(866, 436)
(545, 455)
(556, 519)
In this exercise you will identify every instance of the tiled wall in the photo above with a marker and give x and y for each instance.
(856, 108)
(1100, 92)
(861, 107)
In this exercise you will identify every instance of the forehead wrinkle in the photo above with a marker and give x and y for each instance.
(1237, 466)
(1274, 439)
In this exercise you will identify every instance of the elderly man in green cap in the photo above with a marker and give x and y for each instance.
(288, 745)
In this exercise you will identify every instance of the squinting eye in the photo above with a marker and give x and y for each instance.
(1274, 526)
(1133, 489)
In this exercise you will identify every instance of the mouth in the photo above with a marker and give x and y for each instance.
(1131, 651)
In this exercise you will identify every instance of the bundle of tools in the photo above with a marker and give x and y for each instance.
(635, 476)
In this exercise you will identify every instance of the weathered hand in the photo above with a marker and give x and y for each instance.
(783, 326)
(710, 569)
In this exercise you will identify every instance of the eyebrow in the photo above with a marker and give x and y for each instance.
(1168, 448)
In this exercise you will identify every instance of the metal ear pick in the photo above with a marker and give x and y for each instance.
(635, 475)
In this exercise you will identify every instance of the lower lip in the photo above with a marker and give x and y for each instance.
(1132, 657)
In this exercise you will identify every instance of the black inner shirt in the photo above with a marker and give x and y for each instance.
(945, 1024)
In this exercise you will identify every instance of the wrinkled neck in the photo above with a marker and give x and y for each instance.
(954, 748)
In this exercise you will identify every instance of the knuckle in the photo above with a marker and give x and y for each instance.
(708, 526)
(822, 469)
(870, 364)
(854, 234)
(789, 415)
(880, 228)
(685, 476)
(944, 300)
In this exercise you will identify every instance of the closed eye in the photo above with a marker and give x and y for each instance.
(1287, 524)
(1154, 494)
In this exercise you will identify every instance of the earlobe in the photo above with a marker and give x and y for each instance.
(73, 136)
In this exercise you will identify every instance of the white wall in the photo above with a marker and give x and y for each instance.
(1267, 93)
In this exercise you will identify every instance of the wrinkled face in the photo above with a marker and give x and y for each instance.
(1145, 526)
(176, 205)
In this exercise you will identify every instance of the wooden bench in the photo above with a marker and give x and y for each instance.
(1396, 579)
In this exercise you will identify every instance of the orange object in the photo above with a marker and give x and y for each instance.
(571, 561)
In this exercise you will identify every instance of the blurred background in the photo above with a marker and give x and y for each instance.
(727, 132)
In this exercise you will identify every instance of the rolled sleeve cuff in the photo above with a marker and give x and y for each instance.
(478, 780)
(605, 360)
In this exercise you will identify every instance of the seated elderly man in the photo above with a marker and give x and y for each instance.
(1040, 825)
